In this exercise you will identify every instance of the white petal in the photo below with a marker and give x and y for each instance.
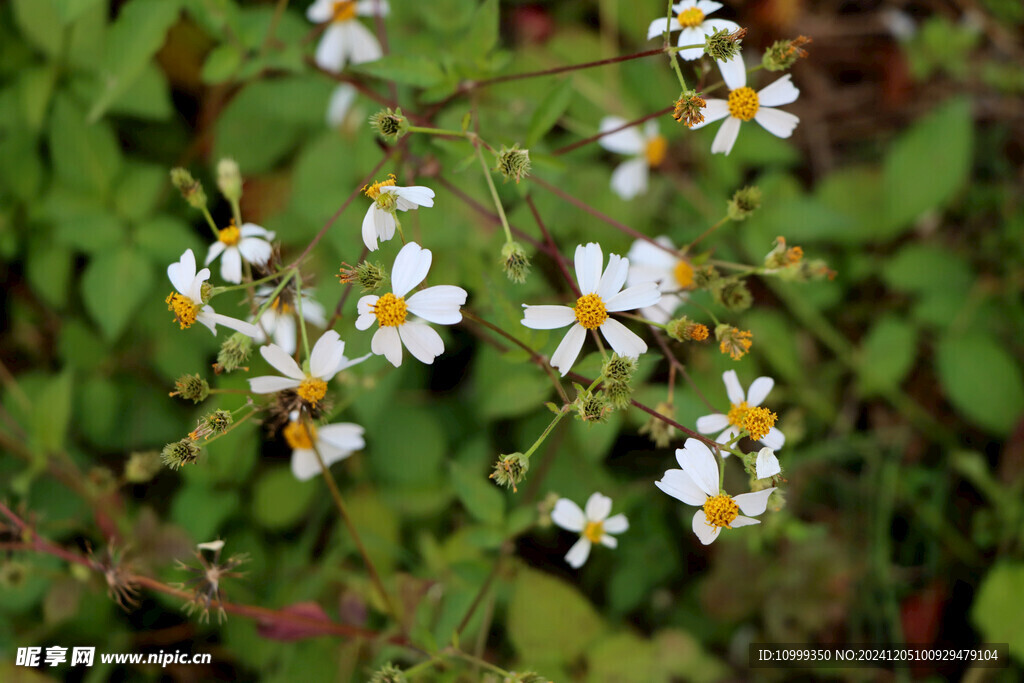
(182, 273)
(387, 343)
(215, 250)
(743, 521)
(711, 25)
(613, 278)
(616, 524)
(312, 311)
(282, 362)
(208, 317)
(598, 507)
(698, 461)
(362, 44)
(733, 388)
(707, 6)
(713, 111)
(269, 384)
(411, 266)
(369, 229)
(712, 423)
(417, 194)
(691, 36)
(629, 179)
(345, 436)
(331, 50)
(767, 464)
(340, 103)
(255, 250)
(423, 341)
(734, 71)
(326, 354)
(346, 363)
(637, 296)
(588, 260)
(568, 515)
(681, 486)
(320, 11)
(659, 25)
(778, 93)
(609, 541)
(626, 141)
(364, 307)
(578, 553)
(305, 466)
(285, 333)
(759, 390)
(231, 265)
(651, 131)
(777, 122)
(370, 8)
(774, 439)
(642, 253)
(547, 317)
(725, 138)
(211, 545)
(439, 304)
(622, 340)
(253, 230)
(753, 503)
(569, 348)
(705, 532)
(383, 223)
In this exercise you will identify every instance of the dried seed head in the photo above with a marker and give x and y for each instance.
(390, 125)
(723, 44)
(733, 294)
(191, 387)
(515, 262)
(510, 470)
(688, 108)
(783, 54)
(513, 163)
(745, 202)
(234, 353)
(180, 453)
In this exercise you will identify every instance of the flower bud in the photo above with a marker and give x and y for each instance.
(510, 470)
(591, 407)
(723, 44)
(688, 108)
(229, 179)
(180, 453)
(191, 387)
(390, 125)
(659, 431)
(142, 467)
(515, 262)
(369, 276)
(705, 277)
(733, 294)
(619, 369)
(389, 673)
(190, 188)
(684, 330)
(513, 163)
(234, 353)
(733, 341)
(212, 424)
(619, 395)
(745, 202)
(783, 54)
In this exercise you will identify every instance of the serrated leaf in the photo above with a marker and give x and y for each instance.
(549, 111)
(982, 380)
(477, 493)
(113, 286)
(886, 355)
(416, 71)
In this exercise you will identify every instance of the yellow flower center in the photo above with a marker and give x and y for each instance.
(281, 307)
(590, 311)
(312, 390)
(185, 310)
(721, 510)
(373, 191)
(594, 532)
(737, 412)
(230, 235)
(684, 274)
(343, 10)
(743, 103)
(758, 421)
(656, 150)
(390, 310)
(690, 18)
(299, 436)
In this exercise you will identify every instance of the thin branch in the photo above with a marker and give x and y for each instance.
(594, 138)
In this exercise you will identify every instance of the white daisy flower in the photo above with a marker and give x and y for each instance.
(745, 104)
(647, 149)
(600, 296)
(767, 465)
(250, 242)
(380, 220)
(280, 319)
(334, 442)
(346, 40)
(340, 104)
(325, 361)
(689, 17)
(592, 524)
(673, 275)
(740, 406)
(187, 302)
(697, 484)
(439, 304)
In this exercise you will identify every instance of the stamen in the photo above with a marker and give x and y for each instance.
(390, 310)
(594, 532)
(737, 412)
(299, 436)
(758, 422)
(690, 18)
(185, 310)
(684, 274)
(656, 149)
(312, 390)
(590, 311)
(230, 235)
(721, 510)
(743, 103)
(343, 10)
(373, 191)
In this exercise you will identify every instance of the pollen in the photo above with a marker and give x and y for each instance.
(594, 532)
(299, 436)
(655, 151)
(590, 311)
(312, 390)
(683, 273)
(282, 307)
(721, 510)
(230, 235)
(690, 18)
(185, 310)
(343, 10)
(737, 413)
(743, 103)
(373, 191)
(697, 332)
(758, 422)
(390, 310)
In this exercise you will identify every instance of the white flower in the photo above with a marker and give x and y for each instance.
(740, 404)
(647, 149)
(697, 484)
(334, 442)
(325, 361)
(380, 220)
(601, 296)
(345, 40)
(279, 320)
(250, 242)
(744, 104)
(673, 275)
(767, 464)
(187, 302)
(340, 104)
(593, 525)
(439, 304)
(690, 17)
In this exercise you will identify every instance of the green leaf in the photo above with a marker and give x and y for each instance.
(70, 10)
(39, 21)
(280, 500)
(35, 86)
(886, 355)
(416, 71)
(549, 111)
(482, 35)
(113, 286)
(922, 268)
(221, 63)
(49, 271)
(148, 96)
(928, 164)
(550, 620)
(408, 446)
(998, 609)
(51, 414)
(21, 171)
(201, 510)
(86, 156)
(483, 500)
(982, 380)
(139, 190)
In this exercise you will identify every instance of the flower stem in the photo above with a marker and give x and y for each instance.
(246, 285)
(438, 131)
(716, 226)
(210, 222)
(551, 425)
(494, 190)
(289, 273)
(298, 308)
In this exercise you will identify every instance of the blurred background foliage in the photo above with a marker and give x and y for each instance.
(899, 383)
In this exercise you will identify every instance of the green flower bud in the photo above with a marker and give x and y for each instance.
(390, 125)
(723, 44)
(783, 54)
(180, 453)
(591, 407)
(211, 424)
(191, 387)
(190, 188)
(515, 261)
(619, 369)
(510, 470)
(229, 179)
(733, 294)
(513, 163)
(619, 395)
(234, 353)
(389, 673)
(745, 202)
(684, 330)
(369, 276)
(705, 277)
